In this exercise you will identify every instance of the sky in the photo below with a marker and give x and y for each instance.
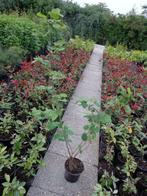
(117, 6)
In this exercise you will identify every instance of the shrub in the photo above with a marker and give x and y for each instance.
(9, 57)
(79, 43)
(21, 31)
(137, 56)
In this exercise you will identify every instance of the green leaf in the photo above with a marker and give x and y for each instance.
(7, 177)
(127, 109)
(52, 125)
(83, 103)
(39, 14)
(55, 14)
(84, 137)
(104, 118)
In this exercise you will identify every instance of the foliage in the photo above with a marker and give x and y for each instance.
(79, 43)
(109, 182)
(21, 31)
(29, 5)
(31, 106)
(94, 22)
(95, 120)
(129, 185)
(124, 98)
(9, 57)
(21, 35)
(121, 52)
(13, 188)
(100, 191)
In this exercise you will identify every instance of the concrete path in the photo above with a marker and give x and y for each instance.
(49, 180)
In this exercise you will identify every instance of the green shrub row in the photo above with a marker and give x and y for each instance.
(25, 34)
(21, 31)
(120, 51)
(96, 22)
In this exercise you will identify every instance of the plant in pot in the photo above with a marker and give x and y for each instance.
(28, 165)
(74, 166)
(6, 127)
(124, 152)
(13, 187)
(136, 148)
(130, 166)
(143, 181)
(110, 140)
(100, 191)
(7, 162)
(108, 182)
(128, 188)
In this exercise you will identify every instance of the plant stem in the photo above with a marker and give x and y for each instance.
(68, 148)
(82, 150)
(77, 148)
(77, 151)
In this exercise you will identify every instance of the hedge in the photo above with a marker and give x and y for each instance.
(21, 31)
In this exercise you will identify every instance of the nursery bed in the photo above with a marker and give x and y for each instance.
(122, 149)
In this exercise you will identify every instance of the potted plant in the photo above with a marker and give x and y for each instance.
(143, 181)
(128, 188)
(13, 187)
(99, 190)
(136, 148)
(73, 166)
(6, 128)
(26, 168)
(7, 162)
(130, 166)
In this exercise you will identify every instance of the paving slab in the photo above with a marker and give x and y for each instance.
(36, 191)
(49, 180)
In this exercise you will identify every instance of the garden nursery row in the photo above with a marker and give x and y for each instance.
(122, 166)
(34, 92)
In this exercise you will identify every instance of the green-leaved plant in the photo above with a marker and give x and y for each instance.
(95, 118)
(13, 187)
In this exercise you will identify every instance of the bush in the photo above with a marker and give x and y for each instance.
(21, 31)
(79, 43)
(9, 57)
(121, 52)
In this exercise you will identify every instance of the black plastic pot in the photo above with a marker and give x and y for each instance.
(144, 141)
(6, 140)
(134, 152)
(143, 193)
(121, 159)
(122, 193)
(142, 165)
(21, 176)
(73, 176)
(4, 77)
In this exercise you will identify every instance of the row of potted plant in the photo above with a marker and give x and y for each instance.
(123, 143)
(31, 106)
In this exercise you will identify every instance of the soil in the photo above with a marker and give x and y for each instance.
(74, 165)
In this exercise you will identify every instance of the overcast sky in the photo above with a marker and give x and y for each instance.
(118, 6)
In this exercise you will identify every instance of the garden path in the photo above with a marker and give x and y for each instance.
(49, 180)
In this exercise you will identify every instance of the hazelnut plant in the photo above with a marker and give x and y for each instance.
(95, 119)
